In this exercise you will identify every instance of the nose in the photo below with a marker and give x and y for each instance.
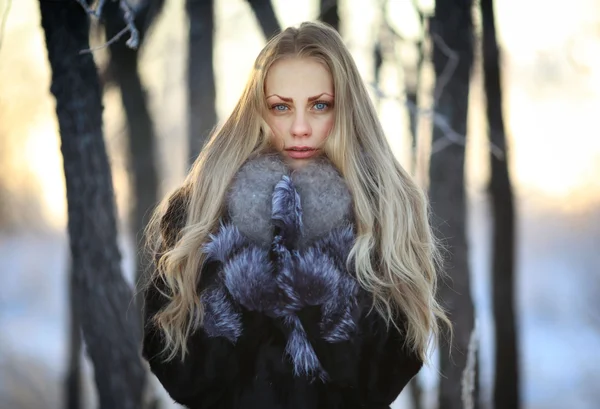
(300, 126)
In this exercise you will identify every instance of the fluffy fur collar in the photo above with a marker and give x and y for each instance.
(324, 198)
(283, 248)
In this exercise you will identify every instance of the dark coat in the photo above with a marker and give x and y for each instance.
(286, 326)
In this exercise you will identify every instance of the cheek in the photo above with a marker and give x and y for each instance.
(325, 126)
(277, 127)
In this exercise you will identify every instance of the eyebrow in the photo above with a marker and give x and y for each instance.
(310, 99)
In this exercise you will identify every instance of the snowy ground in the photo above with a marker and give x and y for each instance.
(558, 312)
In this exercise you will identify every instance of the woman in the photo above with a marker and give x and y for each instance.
(295, 266)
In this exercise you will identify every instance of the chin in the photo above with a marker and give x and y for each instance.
(294, 163)
(297, 163)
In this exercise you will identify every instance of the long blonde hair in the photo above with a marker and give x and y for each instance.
(395, 255)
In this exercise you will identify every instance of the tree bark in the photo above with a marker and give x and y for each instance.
(506, 384)
(201, 77)
(73, 379)
(110, 328)
(329, 13)
(451, 30)
(265, 14)
(140, 129)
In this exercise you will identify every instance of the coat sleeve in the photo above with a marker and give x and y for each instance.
(199, 375)
(212, 365)
(387, 364)
(374, 366)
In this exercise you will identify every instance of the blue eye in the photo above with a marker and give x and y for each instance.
(321, 106)
(279, 107)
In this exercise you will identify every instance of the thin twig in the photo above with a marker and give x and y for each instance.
(116, 38)
(128, 16)
(441, 122)
(99, 7)
(450, 137)
(4, 19)
(449, 69)
(134, 39)
(94, 13)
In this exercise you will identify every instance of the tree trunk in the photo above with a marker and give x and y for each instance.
(140, 129)
(201, 78)
(329, 13)
(265, 14)
(140, 134)
(110, 328)
(73, 378)
(451, 30)
(506, 386)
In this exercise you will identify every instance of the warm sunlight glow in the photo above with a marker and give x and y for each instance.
(45, 161)
(551, 101)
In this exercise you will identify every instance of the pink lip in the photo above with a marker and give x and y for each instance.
(301, 154)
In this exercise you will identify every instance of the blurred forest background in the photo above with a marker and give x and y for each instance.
(507, 144)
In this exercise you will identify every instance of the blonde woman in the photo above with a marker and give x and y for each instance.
(295, 266)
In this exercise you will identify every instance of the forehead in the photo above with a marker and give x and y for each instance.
(295, 77)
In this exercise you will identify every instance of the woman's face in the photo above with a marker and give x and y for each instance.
(300, 98)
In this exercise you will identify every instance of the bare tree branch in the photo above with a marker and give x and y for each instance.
(113, 40)
(450, 137)
(439, 120)
(134, 39)
(450, 67)
(411, 72)
(128, 16)
(94, 13)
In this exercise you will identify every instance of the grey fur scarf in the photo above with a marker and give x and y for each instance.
(284, 248)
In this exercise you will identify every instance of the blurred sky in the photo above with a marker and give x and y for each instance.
(551, 70)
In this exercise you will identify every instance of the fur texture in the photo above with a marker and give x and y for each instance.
(305, 266)
(250, 196)
(222, 318)
(325, 199)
